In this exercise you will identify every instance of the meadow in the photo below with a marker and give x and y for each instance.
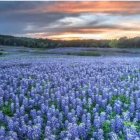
(66, 97)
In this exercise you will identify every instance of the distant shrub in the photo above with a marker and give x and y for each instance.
(84, 53)
(89, 54)
(1, 53)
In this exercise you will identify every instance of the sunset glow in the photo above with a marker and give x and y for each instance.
(70, 20)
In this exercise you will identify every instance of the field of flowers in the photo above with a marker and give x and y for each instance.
(70, 98)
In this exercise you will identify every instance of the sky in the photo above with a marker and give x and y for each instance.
(70, 20)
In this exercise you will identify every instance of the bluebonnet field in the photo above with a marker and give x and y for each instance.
(67, 98)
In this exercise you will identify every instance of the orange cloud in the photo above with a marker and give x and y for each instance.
(93, 7)
(73, 7)
(88, 34)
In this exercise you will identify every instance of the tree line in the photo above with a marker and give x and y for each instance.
(27, 42)
(123, 42)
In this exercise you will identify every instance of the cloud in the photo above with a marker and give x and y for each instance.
(120, 7)
(67, 19)
(71, 7)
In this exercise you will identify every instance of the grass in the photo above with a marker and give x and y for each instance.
(85, 53)
(23, 51)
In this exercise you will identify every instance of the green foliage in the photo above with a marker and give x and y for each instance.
(6, 109)
(122, 137)
(114, 98)
(131, 77)
(90, 133)
(112, 115)
(101, 109)
(133, 125)
(89, 108)
(113, 43)
(122, 98)
(138, 126)
(129, 124)
(2, 124)
(123, 78)
(106, 127)
(43, 127)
